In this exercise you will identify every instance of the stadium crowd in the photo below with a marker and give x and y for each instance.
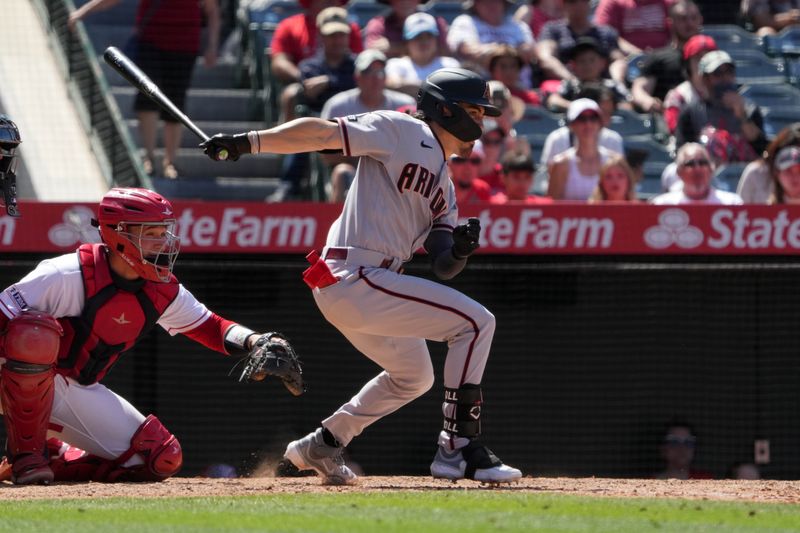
(600, 97)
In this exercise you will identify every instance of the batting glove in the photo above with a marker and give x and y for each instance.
(220, 144)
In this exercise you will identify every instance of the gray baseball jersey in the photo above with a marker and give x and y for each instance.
(401, 190)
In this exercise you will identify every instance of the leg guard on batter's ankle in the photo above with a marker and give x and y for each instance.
(462, 410)
(30, 345)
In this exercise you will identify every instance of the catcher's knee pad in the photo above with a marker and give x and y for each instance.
(31, 337)
(462, 410)
(158, 447)
(30, 345)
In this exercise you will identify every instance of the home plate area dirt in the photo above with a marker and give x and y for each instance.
(730, 490)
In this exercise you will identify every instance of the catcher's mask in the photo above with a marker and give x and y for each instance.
(139, 225)
(9, 141)
(442, 91)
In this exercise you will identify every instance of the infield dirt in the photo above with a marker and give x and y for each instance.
(730, 490)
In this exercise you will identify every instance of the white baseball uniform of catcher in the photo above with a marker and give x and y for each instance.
(400, 194)
(90, 417)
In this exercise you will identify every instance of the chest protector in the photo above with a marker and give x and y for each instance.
(117, 313)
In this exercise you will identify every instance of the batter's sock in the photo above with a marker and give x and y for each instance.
(329, 439)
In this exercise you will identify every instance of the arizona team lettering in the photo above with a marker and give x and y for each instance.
(421, 180)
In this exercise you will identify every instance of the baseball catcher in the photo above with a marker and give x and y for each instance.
(65, 325)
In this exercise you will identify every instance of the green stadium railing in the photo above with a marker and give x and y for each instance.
(98, 110)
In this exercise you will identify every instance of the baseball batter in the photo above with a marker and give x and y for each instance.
(401, 199)
(65, 324)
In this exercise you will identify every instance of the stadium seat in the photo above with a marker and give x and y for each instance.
(726, 177)
(628, 123)
(447, 9)
(361, 11)
(730, 37)
(538, 121)
(650, 185)
(273, 11)
(784, 44)
(656, 152)
(767, 95)
(754, 67)
(778, 117)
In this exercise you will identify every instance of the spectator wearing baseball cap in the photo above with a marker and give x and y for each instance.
(327, 73)
(420, 35)
(734, 125)
(588, 62)
(692, 89)
(297, 38)
(757, 182)
(331, 70)
(786, 176)
(386, 32)
(561, 139)
(574, 173)
(370, 94)
(662, 69)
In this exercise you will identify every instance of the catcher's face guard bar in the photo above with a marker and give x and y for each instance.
(8, 180)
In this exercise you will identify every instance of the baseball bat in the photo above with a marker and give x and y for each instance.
(128, 70)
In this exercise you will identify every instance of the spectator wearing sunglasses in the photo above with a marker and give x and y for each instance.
(574, 173)
(470, 189)
(695, 170)
(677, 449)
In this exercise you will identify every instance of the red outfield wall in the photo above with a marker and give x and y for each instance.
(558, 229)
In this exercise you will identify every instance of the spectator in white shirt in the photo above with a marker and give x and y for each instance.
(420, 34)
(486, 24)
(695, 169)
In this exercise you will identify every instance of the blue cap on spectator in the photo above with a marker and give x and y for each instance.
(418, 23)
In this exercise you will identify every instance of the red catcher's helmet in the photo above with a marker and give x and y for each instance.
(121, 211)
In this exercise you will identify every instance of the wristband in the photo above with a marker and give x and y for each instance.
(236, 338)
(255, 141)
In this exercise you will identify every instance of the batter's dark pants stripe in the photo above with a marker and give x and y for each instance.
(463, 315)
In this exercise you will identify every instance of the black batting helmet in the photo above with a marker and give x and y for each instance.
(9, 140)
(448, 87)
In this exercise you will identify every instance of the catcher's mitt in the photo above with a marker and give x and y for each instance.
(272, 355)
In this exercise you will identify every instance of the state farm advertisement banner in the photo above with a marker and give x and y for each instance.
(553, 229)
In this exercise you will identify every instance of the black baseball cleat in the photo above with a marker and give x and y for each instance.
(473, 461)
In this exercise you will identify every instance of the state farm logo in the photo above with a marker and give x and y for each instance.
(76, 227)
(673, 228)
